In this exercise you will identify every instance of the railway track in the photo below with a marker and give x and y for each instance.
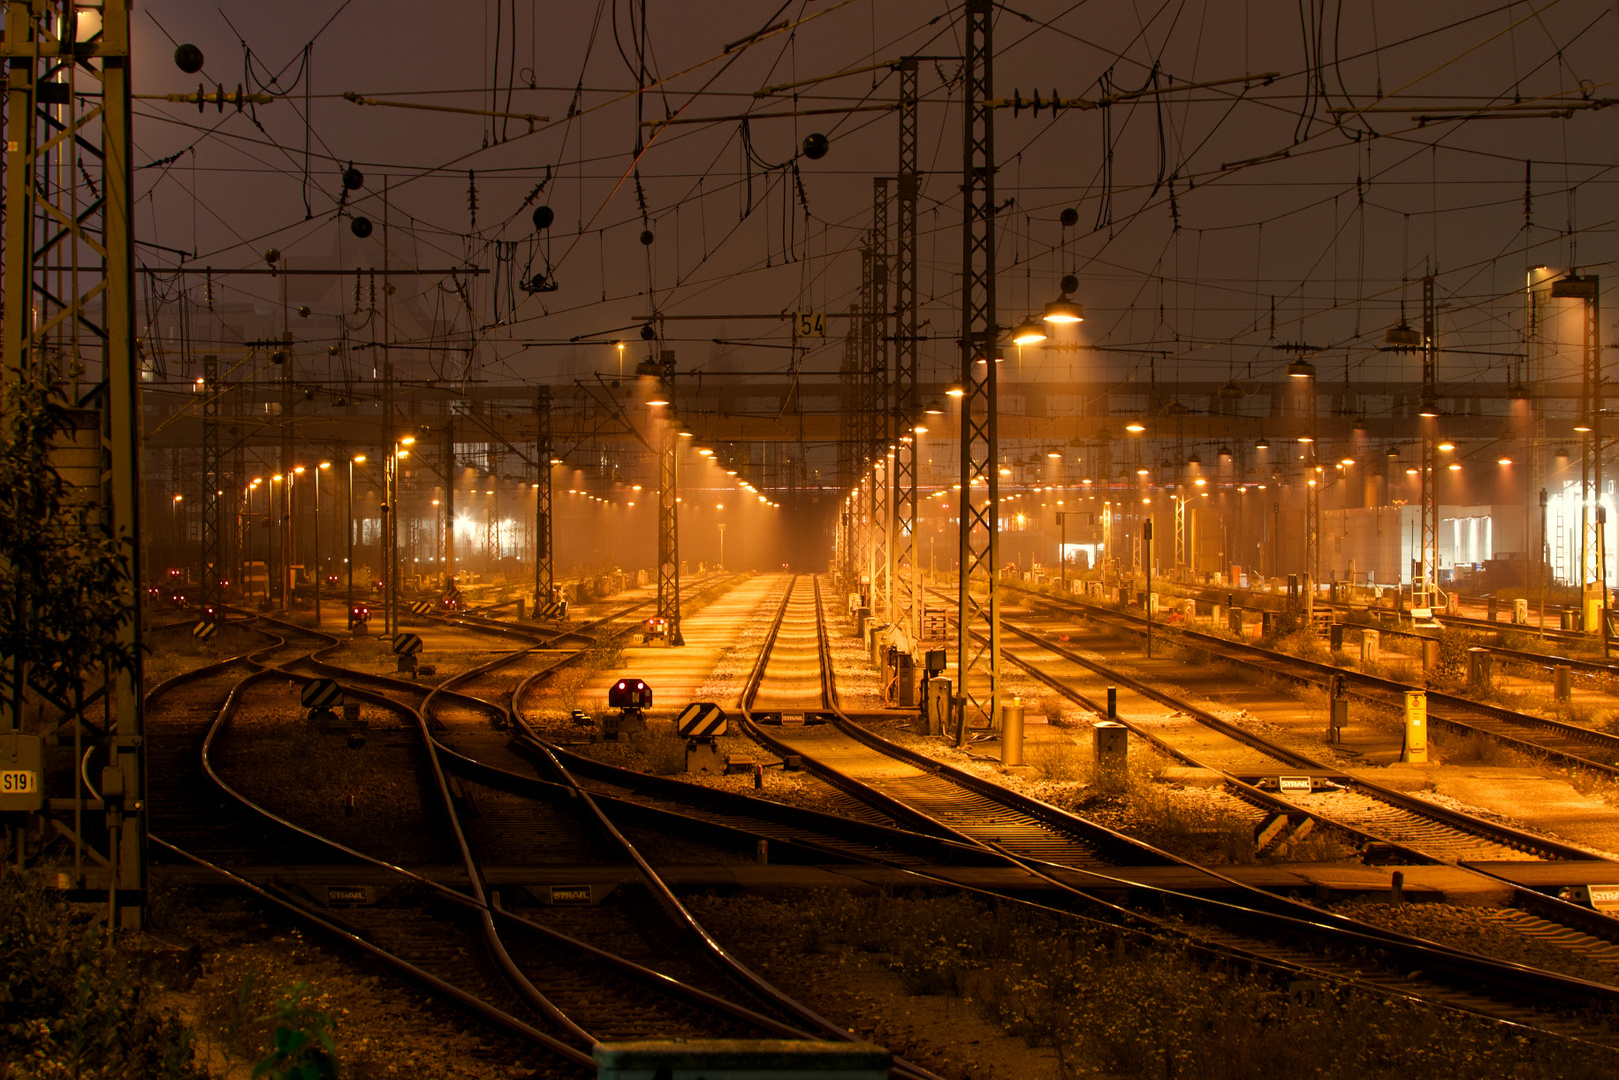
(1266, 929)
(603, 994)
(1568, 744)
(1364, 811)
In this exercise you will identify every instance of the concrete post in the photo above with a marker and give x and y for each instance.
(1563, 683)
(1371, 646)
(1112, 750)
(1520, 613)
(1480, 669)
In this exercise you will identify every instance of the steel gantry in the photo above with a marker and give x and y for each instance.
(544, 568)
(876, 407)
(68, 302)
(978, 625)
(907, 593)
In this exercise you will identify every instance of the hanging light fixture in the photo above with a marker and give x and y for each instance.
(955, 389)
(933, 407)
(1028, 332)
(1301, 369)
(1402, 336)
(1063, 311)
(1229, 391)
(1262, 444)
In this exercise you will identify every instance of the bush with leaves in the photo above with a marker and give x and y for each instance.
(65, 581)
(69, 1006)
(305, 1044)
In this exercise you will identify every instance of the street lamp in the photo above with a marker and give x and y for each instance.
(174, 525)
(318, 468)
(722, 547)
(353, 461)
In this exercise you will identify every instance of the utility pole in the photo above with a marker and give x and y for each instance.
(544, 577)
(907, 594)
(447, 504)
(69, 269)
(979, 614)
(389, 541)
(212, 487)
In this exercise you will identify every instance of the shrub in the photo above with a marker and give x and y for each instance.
(69, 1005)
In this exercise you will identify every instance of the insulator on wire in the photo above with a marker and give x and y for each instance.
(472, 198)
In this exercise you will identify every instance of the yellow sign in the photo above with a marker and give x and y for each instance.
(809, 324)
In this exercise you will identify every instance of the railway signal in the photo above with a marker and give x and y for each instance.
(632, 697)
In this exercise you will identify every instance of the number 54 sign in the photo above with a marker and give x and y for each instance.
(809, 324)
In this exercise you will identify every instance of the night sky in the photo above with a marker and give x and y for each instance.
(1183, 253)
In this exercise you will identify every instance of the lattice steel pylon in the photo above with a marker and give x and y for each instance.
(863, 431)
(907, 593)
(877, 406)
(213, 483)
(1425, 587)
(544, 566)
(851, 427)
(1588, 290)
(69, 267)
(667, 442)
(1180, 533)
(978, 625)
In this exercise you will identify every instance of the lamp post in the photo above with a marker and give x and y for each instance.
(1146, 535)
(390, 529)
(292, 531)
(247, 568)
(277, 552)
(318, 468)
(353, 461)
(174, 526)
(1062, 545)
(722, 547)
